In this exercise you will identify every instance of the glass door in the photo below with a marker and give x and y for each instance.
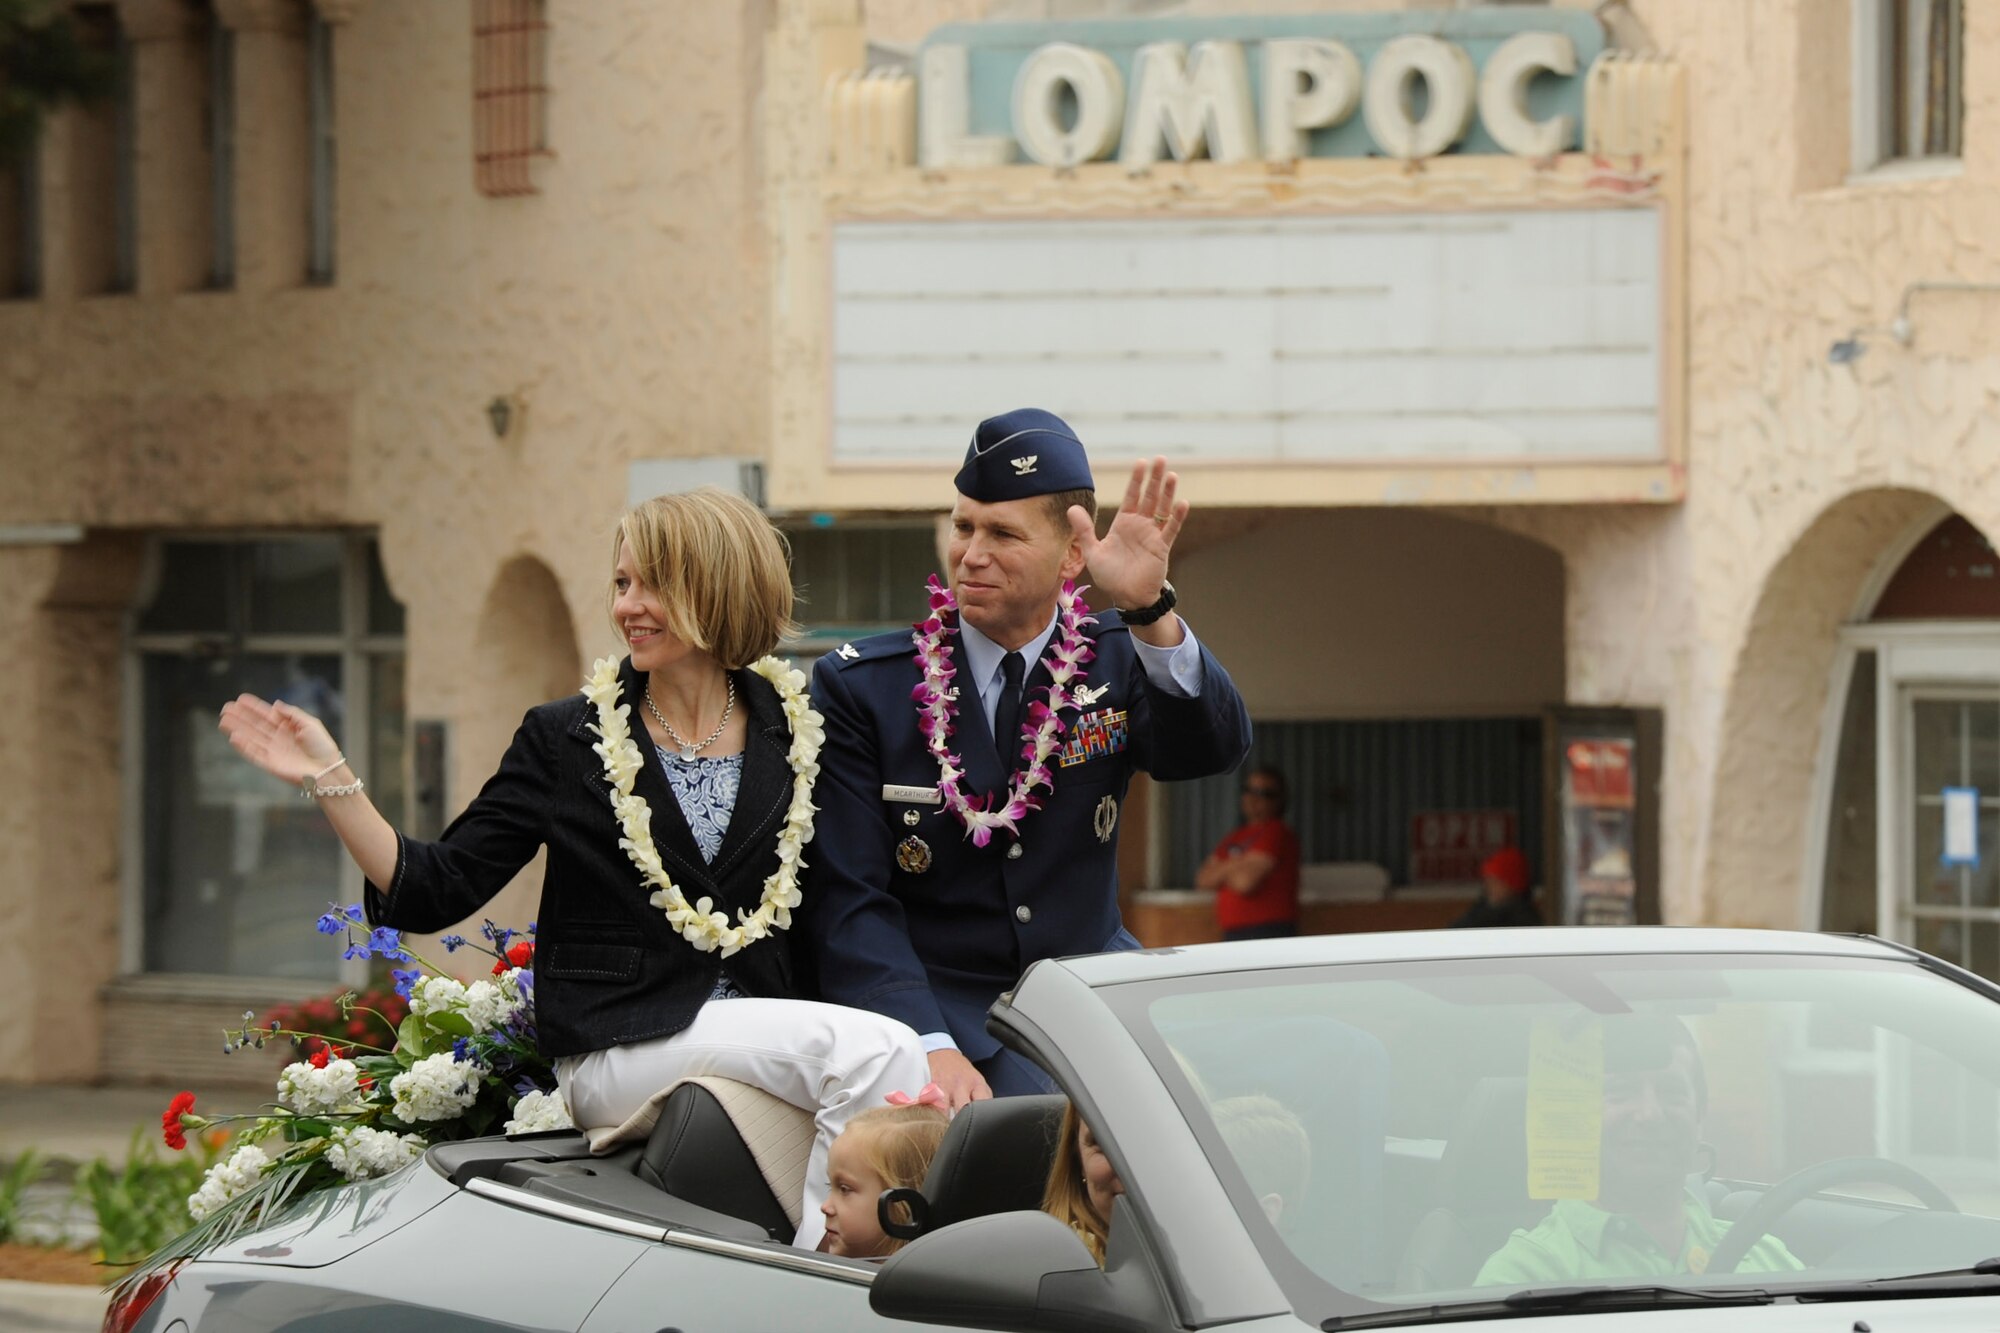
(1949, 897)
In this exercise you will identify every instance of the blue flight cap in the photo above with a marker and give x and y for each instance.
(1022, 453)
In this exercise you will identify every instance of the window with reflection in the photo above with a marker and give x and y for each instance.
(231, 862)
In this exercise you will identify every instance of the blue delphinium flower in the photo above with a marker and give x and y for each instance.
(387, 944)
(355, 949)
(406, 979)
(331, 922)
(452, 943)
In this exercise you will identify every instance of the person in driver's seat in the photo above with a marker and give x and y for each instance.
(1646, 1221)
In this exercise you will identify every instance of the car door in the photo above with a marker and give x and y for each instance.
(702, 1284)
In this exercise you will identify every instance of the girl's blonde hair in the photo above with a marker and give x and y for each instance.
(1066, 1198)
(898, 1142)
(721, 570)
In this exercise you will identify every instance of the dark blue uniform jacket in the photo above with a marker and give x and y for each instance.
(934, 948)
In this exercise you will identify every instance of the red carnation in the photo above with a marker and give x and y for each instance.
(170, 1120)
(319, 1058)
(521, 953)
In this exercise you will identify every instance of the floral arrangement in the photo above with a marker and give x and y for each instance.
(700, 924)
(463, 1063)
(1069, 658)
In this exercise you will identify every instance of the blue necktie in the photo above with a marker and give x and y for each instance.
(1007, 712)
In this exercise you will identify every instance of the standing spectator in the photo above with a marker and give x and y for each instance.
(1507, 900)
(1254, 870)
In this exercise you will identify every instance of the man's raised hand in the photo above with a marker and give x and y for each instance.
(1129, 564)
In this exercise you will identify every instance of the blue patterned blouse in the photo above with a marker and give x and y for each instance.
(706, 790)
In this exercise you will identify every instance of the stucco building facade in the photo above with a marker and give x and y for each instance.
(337, 349)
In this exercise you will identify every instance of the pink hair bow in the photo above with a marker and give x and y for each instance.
(932, 1095)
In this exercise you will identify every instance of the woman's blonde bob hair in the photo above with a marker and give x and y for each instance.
(720, 570)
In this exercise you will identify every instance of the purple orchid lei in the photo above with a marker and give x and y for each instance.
(1069, 656)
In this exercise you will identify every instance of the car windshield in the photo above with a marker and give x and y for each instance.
(1428, 1133)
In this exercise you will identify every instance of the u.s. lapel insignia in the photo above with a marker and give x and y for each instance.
(913, 855)
(1024, 464)
(911, 817)
(1086, 695)
(848, 652)
(1105, 821)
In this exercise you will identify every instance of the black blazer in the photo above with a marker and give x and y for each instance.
(608, 968)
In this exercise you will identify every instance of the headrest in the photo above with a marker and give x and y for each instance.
(1485, 1165)
(995, 1158)
(715, 1143)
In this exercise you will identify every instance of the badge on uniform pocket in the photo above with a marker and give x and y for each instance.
(1093, 736)
(913, 855)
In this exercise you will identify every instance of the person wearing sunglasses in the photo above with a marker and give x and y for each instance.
(1254, 870)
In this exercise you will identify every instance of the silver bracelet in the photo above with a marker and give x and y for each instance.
(310, 789)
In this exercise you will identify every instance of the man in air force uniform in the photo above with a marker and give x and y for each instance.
(908, 914)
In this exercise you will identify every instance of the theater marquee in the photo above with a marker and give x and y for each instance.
(1387, 258)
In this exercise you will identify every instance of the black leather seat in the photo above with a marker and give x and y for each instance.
(696, 1154)
(995, 1158)
(1483, 1189)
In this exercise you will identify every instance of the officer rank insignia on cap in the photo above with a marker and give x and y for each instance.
(1023, 453)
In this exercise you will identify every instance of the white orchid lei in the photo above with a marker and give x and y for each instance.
(1069, 657)
(700, 924)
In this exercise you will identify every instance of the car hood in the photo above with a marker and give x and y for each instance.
(333, 1223)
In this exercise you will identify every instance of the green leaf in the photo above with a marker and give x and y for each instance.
(411, 1041)
(457, 1025)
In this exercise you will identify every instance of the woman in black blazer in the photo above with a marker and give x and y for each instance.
(673, 846)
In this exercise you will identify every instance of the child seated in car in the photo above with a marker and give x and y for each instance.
(889, 1147)
(1271, 1150)
(1082, 1186)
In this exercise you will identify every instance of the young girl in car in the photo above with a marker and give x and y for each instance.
(889, 1147)
(1082, 1184)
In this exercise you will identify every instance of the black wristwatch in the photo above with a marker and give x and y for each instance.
(1146, 615)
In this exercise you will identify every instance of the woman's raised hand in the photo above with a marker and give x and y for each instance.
(288, 743)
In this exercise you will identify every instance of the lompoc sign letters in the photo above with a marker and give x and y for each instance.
(1071, 103)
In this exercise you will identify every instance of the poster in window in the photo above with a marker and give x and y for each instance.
(1600, 828)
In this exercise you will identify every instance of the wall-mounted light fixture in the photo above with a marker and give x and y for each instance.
(1851, 347)
(502, 414)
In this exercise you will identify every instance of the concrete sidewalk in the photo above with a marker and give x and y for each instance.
(44, 1307)
(76, 1123)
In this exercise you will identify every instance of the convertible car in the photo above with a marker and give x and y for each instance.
(1560, 1127)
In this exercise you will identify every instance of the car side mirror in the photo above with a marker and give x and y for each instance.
(1017, 1272)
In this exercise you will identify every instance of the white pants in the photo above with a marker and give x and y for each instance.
(825, 1058)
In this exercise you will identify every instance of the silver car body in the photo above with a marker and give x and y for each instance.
(416, 1251)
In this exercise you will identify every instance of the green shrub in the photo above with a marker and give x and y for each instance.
(141, 1204)
(25, 1171)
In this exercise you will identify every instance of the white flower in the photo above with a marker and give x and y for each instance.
(539, 1111)
(437, 1087)
(437, 995)
(488, 1004)
(227, 1179)
(700, 924)
(311, 1091)
(362, 1153)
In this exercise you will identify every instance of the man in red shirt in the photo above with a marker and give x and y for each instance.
(1254, 871)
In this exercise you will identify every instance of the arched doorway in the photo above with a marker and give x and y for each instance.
(525, 644)
(1911, 819)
